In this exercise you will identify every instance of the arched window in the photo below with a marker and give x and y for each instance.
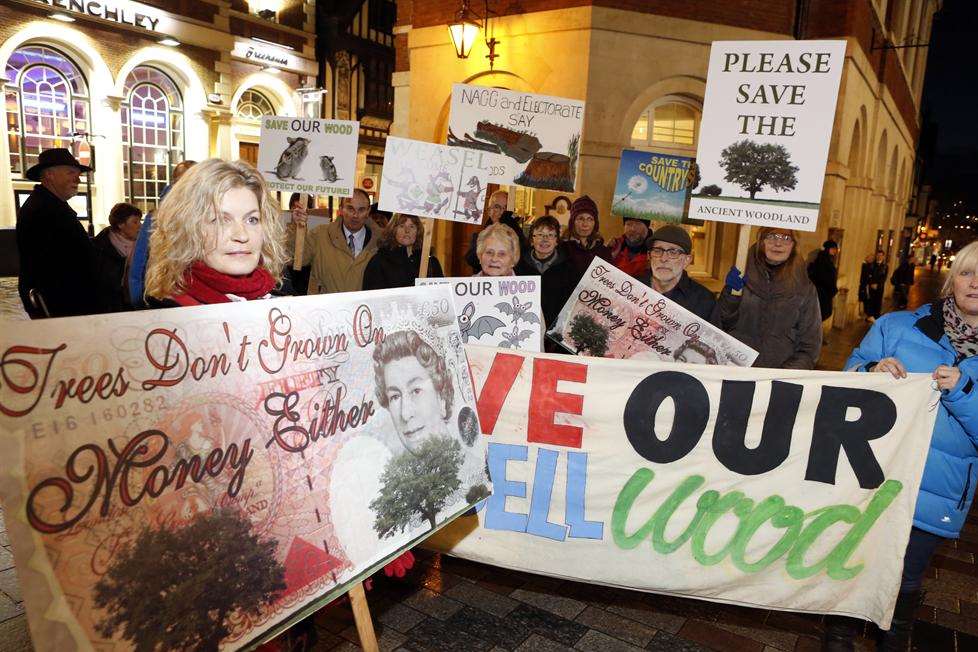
(667, 122)
(253, 105)
(152, 134)
(47, 103)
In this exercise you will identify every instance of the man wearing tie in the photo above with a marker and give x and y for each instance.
(339, 251)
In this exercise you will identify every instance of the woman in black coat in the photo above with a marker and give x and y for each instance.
(876, 275)
(398, 259)
(113, 247)
(547, 258)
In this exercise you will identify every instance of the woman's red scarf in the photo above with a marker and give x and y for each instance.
(206, 285)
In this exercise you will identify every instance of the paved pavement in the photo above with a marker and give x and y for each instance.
(452, 604)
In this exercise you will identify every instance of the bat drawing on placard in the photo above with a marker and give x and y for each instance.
(518, 311)
(292, 158)
(476, 328)
(329, 170)
(513, 339)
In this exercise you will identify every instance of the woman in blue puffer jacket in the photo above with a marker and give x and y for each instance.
(940, 339)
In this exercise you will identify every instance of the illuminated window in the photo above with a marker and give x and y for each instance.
(253, 105)
(667, 123)
(152, 134)
(46, 101)
(641, 130)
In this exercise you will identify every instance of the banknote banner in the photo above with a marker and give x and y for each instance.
(651, 186)
(501, 311)
(611, 315)
(771, 488)
(429, 180)
(768, 113)
(307, 155)
(532, 140)
(201, 478)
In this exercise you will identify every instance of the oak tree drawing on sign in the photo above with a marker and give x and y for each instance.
(417, 483)
(752, 166)
(589, 335)
(177, 589)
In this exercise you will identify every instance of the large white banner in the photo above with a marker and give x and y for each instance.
(429, 180)
(499, 311)
(610, 314)
(764, 140)
(535, 139)
(199, 478)
(769, 488)
(306, 155)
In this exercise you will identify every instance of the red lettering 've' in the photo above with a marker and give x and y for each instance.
(546, 401)
(502, 376)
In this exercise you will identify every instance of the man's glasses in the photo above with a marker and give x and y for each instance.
(778, 237)
(667, 254)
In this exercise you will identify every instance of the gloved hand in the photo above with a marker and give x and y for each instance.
(735, 280)
(400, 566)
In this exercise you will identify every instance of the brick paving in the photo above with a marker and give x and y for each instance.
(452, 604)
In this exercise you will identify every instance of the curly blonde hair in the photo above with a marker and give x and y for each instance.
(179, 234)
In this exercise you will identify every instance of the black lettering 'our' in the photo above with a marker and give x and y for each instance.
(736, 400)
(831, 433)
(692, 412)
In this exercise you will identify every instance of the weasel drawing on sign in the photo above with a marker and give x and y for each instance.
(438, 191)
(470, 197)
(410, 193)
(329, 170)
(518, 311)
(291, 159)
(476, 328)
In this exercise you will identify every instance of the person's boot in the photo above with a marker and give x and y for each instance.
(840, 634)
(897, 638)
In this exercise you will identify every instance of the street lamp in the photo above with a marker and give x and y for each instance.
(465, 29)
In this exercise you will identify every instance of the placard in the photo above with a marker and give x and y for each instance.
(430, 180)
(769, 488)
(610, 314)
(651, 186)
(764, 139)
(307, 155)
(501, 311)
(536, 139)
(199, 478)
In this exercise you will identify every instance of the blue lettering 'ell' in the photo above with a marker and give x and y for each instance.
(497, 518)
(543, 485)
(580, 527)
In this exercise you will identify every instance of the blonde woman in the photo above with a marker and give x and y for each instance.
(217, 238)
(498, 249)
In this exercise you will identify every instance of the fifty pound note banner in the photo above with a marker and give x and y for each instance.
(195, 478)
(769, 488)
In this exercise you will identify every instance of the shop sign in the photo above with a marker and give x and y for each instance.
(268, 55)
(117, 11)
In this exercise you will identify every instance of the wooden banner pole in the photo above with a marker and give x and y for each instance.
(361, 615)
(428, 225)
(300, 235)
(743, 245)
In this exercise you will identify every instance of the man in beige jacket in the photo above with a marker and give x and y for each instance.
(339, 251)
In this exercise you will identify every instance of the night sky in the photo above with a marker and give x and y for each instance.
(950, 101)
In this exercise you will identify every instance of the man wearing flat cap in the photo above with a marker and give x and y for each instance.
(669, 255)
(57, 259)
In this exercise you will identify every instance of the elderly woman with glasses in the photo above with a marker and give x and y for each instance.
(547, 258)
(773, 307)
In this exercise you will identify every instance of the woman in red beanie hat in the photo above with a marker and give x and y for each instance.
(582, 238)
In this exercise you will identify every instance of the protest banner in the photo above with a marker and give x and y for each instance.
(764, 139)
(610, 314)
(501, 311)
(651, 186)
(535, 139)
(771, 488)
(203, 477)
(309, 156)
(430, 180)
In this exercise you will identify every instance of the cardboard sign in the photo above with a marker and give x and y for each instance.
(431, 180)
(651, 186)
(199, 478)
(610, 314)
(764, 138)
(770, 488)
(501, 311)
(536, 138)
(310, 156)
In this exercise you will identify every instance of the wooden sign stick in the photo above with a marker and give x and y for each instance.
(428, 225)
(743, 245)
(361, 616)
(300, 235)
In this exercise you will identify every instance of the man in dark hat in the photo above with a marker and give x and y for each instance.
(630, 251)
(57, 259)
(824, 275)
(669, 256)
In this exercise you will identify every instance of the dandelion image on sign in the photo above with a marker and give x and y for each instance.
(651, 186)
